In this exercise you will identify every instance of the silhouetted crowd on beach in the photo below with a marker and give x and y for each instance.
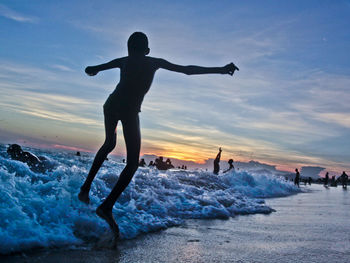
(159, 163)
(343, 179)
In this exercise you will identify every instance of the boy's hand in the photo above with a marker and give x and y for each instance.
(90, 71)
(230, 69)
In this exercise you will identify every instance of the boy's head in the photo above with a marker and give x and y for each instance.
(138, 43)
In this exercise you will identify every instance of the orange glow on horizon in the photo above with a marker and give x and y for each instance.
(71, 148)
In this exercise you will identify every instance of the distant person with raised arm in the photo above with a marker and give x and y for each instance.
(124, 104)
(216, 162)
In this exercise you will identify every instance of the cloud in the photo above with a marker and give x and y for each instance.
(25, 93)
(25, 77)
(13, 15)
(311, 171)
(275, 109)
(62, 67)
(70, 148)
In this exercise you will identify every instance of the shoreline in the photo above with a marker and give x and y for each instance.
(309, 226)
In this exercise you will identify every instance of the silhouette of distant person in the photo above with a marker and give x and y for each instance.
(78, 154)
(333, 181)
(344, 179)
(230, 162)
(216, 162)
(297, 177)
(309, 180)
(136, 75)
(150, 164)
(160, 164)
(142, 163)
(35, 163)
(326, 179)
(168, 164)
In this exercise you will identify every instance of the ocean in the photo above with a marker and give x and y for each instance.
(41, 209)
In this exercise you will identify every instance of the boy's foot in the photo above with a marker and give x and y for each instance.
(83, 196)
(108, 217)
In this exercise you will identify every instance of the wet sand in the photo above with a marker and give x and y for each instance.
(308, 227)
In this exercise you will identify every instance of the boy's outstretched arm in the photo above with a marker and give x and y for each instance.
(194, 70)
(93, 70)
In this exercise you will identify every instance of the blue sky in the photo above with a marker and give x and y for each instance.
(288, 105)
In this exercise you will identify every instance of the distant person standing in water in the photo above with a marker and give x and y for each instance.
(344, 179)
(136, 75)
(216, 162)
(309, 180)
(326, 179)
(142, 163)
(334, 182)
(297, 177)
(231, 167)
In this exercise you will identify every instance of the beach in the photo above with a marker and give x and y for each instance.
(312, 226)
(187, 126)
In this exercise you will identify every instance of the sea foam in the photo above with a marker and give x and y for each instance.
(42, 210)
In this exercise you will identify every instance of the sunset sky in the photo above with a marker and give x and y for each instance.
(289, 104)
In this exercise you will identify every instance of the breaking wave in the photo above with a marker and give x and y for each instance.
(42, 209)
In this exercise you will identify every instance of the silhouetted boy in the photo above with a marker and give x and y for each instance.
(136, 75)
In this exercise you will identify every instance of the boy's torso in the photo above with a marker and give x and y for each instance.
(136, 76)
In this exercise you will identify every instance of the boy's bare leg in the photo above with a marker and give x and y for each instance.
(98, 161)
(107, 147)
(131, 130)
(108, 217)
